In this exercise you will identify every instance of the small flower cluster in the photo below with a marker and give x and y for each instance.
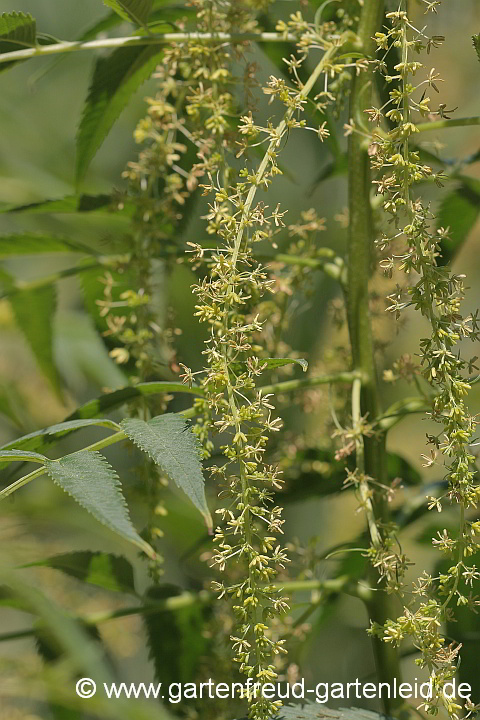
(437, 294)
(228, 300)
(183, 136)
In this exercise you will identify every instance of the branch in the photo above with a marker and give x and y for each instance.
(331, 586)
(292, 385)
(332, 265)
(135, 40)
(446, 123)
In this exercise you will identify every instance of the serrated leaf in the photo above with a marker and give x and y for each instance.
(476, 44)
(319, 711)
(21, 456)
(136, 11)
(68, 204)
(33, 243)
(175, 638)
(172, 445)
(94, 484)
(39, 439)
(17, 31)
(105, 570)
(162, 11)
(34, 311)
(459, 211)
(108, 401)
(84, 416)
(272, 363)
(115, 79)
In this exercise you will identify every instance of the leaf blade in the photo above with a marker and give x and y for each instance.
(111, 572)
(136, 11)
(171, 444)
(115, 79)
(273, 363)
(34, 311)
(34, 243)
(93, 483)
(458, 211)
(17, 30)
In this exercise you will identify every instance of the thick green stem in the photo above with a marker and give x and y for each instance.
(359, 269)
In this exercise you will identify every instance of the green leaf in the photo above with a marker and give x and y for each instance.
(172, 445)
(105, 570)
(162, 11)
(111, 400)
(84, 416)
(114, 81)
(476, 44)
(175, 638)
(314, 472)
(40, 438)
(34, 311)
(319, 711)
(21, 456)
(338, 166)
(33, 243)
(94, 484)
(458, 211)
(272, 363)
(68, 204)
(17, 31)
(136, 11)
(84, 655)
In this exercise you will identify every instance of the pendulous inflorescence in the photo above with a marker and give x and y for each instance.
(247, 545)
(437, 294)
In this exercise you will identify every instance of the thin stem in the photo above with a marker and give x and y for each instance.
(21, 482)
(447, 123)
(186, 599)
(293, 385)
(334, 267)
(365, 491)
(320, 68)
(138, 40)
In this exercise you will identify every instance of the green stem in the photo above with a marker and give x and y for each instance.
(21, 482)
(447, 123)
(360, 244)
(187, 599)
(334, 267)
(293, 385)
(136, 40)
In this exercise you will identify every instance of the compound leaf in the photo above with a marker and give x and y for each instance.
(94, 484)
(172, 445)
(115, 79)
(136, 11)
(17, 31)
(34, 311)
